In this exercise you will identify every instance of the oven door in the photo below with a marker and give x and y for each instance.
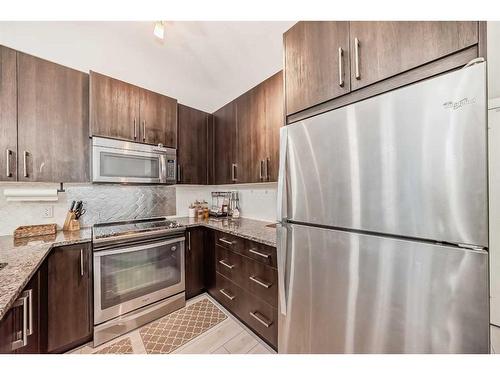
(122, 165)
(133, 276)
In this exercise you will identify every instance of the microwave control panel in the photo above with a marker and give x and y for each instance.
(171, 169)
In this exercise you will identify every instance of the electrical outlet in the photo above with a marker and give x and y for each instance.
(48, 211)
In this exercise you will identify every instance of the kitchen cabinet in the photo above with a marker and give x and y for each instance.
(8, 114)
(384, 49)
(158, 119)
(52, 130)
(192, 151)
(225, 145)
(195, 261)
(124, 111)
(20, 328)
(114, 108)
(316, 63)
(332, 64)
(69, 297)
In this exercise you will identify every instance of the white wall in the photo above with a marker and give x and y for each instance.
(493, 53)
(257, 201)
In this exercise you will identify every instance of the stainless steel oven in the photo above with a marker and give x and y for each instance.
(129, 162)
(136, 279)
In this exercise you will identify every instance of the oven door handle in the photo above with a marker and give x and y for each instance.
(121, 250)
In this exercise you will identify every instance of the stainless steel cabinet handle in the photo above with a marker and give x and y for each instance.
(22, 336)
(29, 329)
(8, 153)
(253, 251)
(260, 282)
(178, 172)
(227, 295)
(25, 162)
(135, 128)
(261, 174)
(225, 264)
(144, 130)
(262, 321)
(356, 58)
(226, 241)
(81, 262)
(341, 73)
(267, 170)
(233, 172)
(189, 241)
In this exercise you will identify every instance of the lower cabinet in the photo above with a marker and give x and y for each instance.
(69, 297)
(246, 283)
(195, 261)
(20, 327)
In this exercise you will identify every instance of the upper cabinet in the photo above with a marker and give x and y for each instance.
(380, 50)
(192, 152)
(124, 111)
(316, 63)
(327, 63)
(225, 145)
(53, 138)
(8, 114)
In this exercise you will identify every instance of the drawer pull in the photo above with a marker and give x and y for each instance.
(226, 294)
(253, 251)
(261, 319)
(225, 264)
(260, 282)
(226, 241)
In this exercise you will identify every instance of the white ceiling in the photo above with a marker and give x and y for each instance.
(204, 64)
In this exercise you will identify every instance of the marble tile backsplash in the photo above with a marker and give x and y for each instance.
(103, 203)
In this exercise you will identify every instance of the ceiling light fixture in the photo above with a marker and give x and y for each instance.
(159, 30)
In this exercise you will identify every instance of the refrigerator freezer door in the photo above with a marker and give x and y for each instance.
(411, 162)
(355, 293)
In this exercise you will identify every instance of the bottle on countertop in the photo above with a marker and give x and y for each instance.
(236, 209)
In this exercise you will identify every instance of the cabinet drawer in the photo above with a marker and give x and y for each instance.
(229, 294)
(261, 317)
(261, 280)
(230, 265)
(229, 241)
(261, 253)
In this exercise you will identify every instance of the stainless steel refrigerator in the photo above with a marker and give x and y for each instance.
(383, 232)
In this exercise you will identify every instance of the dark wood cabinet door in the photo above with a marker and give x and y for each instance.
(8, 332)
(114, 108)
(69, 297)
(385, 49)
(225, 145)
(158, 119)
(274, 121)
(53, 138)
(33, 339)
(195, 262)
(251, 133)
(8, 115)
(192, 151)
(312, 71)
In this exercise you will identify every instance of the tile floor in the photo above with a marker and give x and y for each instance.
(227, 337)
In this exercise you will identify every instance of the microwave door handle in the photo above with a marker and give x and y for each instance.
(163, 169)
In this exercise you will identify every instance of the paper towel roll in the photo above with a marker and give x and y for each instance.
(30, 195)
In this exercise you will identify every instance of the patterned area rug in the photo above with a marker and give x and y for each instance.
(120, 347)
(176, 329)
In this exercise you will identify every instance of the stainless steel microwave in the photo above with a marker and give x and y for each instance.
(128, 162)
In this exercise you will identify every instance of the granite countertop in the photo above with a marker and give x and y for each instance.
(254, 230)
(24, 256)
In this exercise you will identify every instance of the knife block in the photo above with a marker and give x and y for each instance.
(71, 223)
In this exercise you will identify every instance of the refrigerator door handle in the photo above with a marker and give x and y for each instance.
(281, 206)
(281, 234)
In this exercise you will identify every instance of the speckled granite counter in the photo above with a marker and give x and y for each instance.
(254, 230)
(24, 256)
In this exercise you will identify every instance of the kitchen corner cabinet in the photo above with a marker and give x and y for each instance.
(18, 335)
(8, 114)
(195, 261)
(52, 128)
(225, 145)
(69, 297)
(124, 111)
(335, 60)
(316, 63)
(192, 148)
